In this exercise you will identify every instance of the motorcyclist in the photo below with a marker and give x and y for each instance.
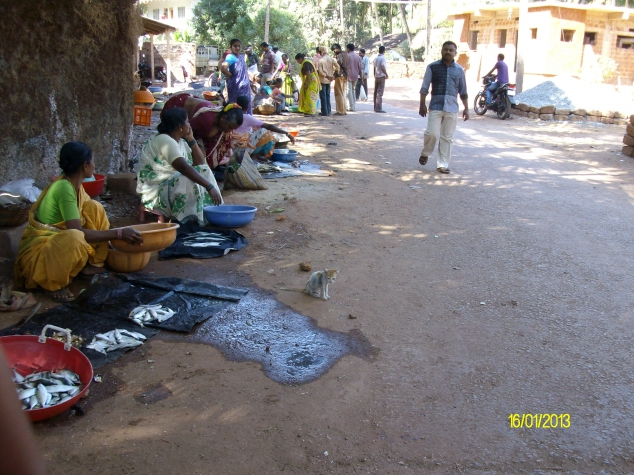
(502, 77)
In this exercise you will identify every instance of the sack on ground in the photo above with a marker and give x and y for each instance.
(242, 174)
(265, 109)
(362, 95)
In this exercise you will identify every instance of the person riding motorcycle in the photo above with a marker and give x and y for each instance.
(502, 77)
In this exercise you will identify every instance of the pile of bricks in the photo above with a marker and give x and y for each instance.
(550, 113)
(628, 138)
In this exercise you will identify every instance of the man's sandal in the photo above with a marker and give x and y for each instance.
(423, 160)
(443, 170)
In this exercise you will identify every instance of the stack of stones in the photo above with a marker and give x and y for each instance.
(628, 138)
(551, 113)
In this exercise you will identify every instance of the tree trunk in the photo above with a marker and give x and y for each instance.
(428, 44)
(343, 26)
(391, 24)
(376, 19)
(267, 21)
(409, 35)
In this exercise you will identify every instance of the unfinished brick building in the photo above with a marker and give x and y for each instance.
(565, 39)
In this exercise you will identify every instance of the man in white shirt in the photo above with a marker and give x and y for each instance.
(363, 80)
(380, 75)
(278, 55)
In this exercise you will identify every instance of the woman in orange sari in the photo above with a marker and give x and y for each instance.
(68, 233)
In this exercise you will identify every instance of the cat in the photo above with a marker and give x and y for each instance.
(317, 285)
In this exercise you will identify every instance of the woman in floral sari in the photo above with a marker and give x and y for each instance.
(309, 92)
(235, 70)
(68, 233)
(209, 123)
(173, 177)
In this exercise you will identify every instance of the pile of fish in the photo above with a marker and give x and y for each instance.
(47, 388)
(150, 313)
(202, 239)
(115, 339)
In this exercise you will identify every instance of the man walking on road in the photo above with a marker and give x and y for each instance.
(355, 71)
(380, 75)
(447, 81)
(340, 79)
(326, 68)
(363, 80)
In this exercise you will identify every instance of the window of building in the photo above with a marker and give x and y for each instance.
(165, 11)
(502, 43)
(589, 38)
(567, 35)
(533, 33)
(181, 12)
(156, 13)
(473, 40)
(624, 42)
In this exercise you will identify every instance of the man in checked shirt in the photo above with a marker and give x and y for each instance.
(447, 81)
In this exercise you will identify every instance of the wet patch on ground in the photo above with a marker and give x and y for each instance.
(152, 393)
(291, 348)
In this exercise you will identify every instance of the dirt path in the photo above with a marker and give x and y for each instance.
(505, 287)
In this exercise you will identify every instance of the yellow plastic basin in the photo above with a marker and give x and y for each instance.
(156, 236)
(127, 262)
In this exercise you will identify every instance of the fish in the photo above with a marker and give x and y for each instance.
(150, 313)
(114, 340)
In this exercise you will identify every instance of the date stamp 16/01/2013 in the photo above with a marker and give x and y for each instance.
(539, 421)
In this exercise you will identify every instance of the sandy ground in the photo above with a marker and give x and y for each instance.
(502, 288)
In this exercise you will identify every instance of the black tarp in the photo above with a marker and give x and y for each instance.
(234, 241)
(106, 304)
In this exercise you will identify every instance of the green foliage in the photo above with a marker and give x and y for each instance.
(184, 36)
(218, 21)
(285, 31)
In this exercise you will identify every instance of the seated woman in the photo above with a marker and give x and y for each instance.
(68, 233)
(173, 177)
(255, 136)
(209, 124)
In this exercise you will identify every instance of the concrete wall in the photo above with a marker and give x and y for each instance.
(180, 54)
(67, 74)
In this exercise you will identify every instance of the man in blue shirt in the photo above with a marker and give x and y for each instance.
(447, 81)
(502, 76)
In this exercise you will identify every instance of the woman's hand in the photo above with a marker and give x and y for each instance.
(292, 139)
(131, 236)
(216, 198)
(190, 134)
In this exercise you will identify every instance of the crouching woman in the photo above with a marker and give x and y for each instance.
(173, 177)
(68, 233)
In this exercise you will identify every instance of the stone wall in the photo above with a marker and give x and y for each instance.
(402, 69)
(181, 54)
(628, 138)
(67, 74)
(550, 113)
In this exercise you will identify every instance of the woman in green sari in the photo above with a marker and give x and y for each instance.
(173, 177)
(288, 86)
(309, 92)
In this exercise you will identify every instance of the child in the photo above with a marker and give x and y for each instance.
(277, 93)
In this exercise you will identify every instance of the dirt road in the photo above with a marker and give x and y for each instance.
(502, 288)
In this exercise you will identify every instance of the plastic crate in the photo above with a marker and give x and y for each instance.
(142, 115)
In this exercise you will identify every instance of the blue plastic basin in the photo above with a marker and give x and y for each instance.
(197, 85)
(284, 155)
(156, 88)
(229, 216)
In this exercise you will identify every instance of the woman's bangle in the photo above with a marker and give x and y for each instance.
(119, 233)
(209, 186)
(192, 143)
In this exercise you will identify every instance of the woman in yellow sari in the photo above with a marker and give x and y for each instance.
(68, 233)
(309, 92)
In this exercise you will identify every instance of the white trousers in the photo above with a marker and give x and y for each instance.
(352, 103)
(441, 125)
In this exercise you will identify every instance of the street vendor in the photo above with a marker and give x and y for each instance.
(255, 136)
(172, 176)
(68, 232)
(211, 124)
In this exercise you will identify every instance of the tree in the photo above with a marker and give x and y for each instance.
(218, 21)
(409, 35)
(285, 32)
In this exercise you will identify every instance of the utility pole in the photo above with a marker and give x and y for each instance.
(267, 21)
(522, 43)
(409, 36)
(428, 44)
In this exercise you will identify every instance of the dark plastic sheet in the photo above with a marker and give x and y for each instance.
(235, 242)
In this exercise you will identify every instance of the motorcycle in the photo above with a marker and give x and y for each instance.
(145, 71)
(500, 98)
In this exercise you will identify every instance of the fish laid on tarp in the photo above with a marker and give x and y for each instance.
(114, 340)
(150, 313)
(46, 388)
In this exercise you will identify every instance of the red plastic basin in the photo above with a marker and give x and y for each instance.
(95, 188)
(26, 355)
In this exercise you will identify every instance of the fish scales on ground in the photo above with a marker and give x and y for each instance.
(150, 313)
(114, 340)
(45, 389)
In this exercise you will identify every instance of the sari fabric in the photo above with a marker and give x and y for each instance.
(51, 255)
(287, 87)
(164, 189)
(257, 142)
(309, 92)
(239, 84)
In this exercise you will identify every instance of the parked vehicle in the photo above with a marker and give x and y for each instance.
(145, 71)
(501, 98)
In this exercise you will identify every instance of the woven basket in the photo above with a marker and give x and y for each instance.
(14, 215)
